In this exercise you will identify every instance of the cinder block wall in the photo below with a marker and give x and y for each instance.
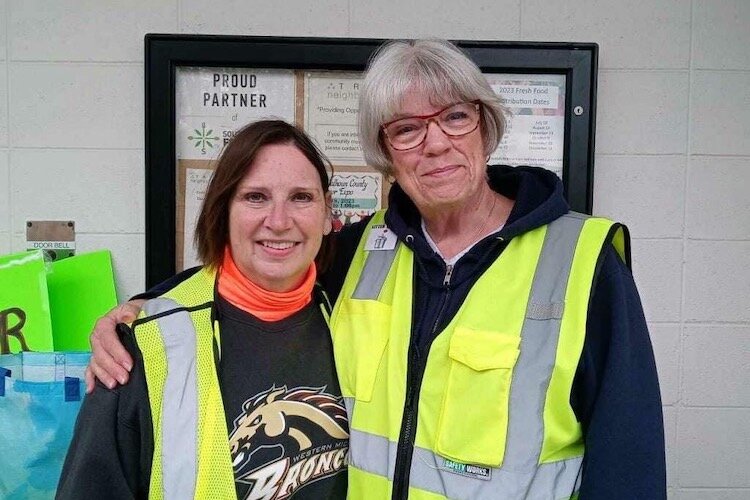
(673, 158)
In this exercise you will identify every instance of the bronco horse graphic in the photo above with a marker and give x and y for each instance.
(272, 419)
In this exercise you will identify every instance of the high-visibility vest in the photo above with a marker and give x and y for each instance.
(176, 335)
(494, 418)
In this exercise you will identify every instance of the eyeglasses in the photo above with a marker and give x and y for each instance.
(455, 120)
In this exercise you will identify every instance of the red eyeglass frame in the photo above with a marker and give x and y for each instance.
(476, 102)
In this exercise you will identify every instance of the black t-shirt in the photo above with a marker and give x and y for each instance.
(281, 399)
(286, 420)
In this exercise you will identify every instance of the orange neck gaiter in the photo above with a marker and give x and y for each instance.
(263, 304)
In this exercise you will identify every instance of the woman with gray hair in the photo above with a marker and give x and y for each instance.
(489, 343)
(498, 349)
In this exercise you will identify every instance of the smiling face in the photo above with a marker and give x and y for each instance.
(277, 218)
(443, 173)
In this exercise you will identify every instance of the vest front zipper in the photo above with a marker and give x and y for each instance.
(417, 363)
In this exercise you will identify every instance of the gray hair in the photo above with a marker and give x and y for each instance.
(436, 68)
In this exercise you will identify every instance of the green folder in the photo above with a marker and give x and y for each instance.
(24, 304)
(81, 289)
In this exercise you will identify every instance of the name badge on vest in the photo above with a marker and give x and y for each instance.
(380, 238)
(468, 470)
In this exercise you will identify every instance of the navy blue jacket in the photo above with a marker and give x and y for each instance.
(615, 392)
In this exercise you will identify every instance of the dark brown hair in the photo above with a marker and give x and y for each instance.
(212, 229)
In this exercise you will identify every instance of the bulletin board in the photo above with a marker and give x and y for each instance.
(201, 88)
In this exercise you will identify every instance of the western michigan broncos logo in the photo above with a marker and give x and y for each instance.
(281, 429)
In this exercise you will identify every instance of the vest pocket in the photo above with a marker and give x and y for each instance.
(473, 420)
(360, 339)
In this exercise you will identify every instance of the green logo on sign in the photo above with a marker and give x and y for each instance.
(203, 138)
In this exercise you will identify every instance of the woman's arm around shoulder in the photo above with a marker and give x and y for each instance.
(111, 362)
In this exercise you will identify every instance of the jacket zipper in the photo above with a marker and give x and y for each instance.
(446, 282)
(414, 374)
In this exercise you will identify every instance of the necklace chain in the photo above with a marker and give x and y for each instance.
(483, 225)
(475, 235)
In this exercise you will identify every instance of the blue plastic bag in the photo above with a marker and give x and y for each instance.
(40, 395)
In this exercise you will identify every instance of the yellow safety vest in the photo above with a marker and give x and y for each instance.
(176, 333)
(493, 413)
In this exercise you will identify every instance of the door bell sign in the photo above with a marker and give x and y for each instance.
(56, 238)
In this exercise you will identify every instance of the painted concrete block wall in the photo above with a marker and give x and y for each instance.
(672, 158)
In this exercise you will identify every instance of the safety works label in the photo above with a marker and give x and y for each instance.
(468, 470)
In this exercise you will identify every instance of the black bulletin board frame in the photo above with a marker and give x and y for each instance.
(165, 53)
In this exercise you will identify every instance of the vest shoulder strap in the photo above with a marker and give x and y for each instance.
(321, 298)
(377, 263)
(196, 290)
(617, 235)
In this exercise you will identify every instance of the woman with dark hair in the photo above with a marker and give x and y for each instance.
(233, 392)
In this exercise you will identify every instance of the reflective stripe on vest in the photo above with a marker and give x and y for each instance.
(373, 275)
(544, 482)
(179, 407)
(191, 449)
(528, 470)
